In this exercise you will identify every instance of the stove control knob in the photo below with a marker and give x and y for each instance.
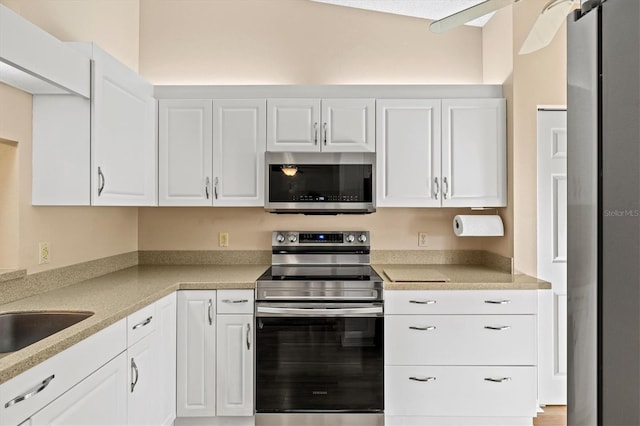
(280, 238)
(362, 238)
(292, 238)
(350, 238)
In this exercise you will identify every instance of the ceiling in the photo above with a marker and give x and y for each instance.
(429, 9)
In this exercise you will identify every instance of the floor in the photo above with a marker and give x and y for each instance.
(554, 415)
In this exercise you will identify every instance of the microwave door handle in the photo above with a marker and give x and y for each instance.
(319, 312)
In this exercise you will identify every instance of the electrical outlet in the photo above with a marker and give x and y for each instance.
(422, 239)
(43, 253)
(223, 239)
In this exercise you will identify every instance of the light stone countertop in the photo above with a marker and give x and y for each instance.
(114, 296)
(462, 277)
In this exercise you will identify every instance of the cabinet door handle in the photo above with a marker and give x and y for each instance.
(445, 188)
(324, 127)
(210, 312)
(498, 302)
(235, 300)
(497, 380)
(215, 187)
(427, 328)
(315, 133)
(497, 327)
(423, 302)
(248, 336)
(143, 323)
(31, 392)
(206, 187)
(134, 369)
(101, 181)
(436, 189)
(422, 379)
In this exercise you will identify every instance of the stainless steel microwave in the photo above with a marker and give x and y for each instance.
(320, 183)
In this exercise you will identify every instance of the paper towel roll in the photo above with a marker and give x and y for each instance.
(478, 226)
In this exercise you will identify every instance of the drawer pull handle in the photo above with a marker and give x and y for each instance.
(235, 301)
(497, 380)
(210, 312)
(422, 379)
(423, 302)
(31, 392)
(498, 328)
(427, 328)
(143, 323)
(498, 302)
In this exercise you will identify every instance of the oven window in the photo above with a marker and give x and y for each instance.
(321, 183)
(319, 364)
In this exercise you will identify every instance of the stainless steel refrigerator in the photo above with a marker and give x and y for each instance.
(603, 112)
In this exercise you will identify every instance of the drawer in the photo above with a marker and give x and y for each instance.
(54, 376)
(141, 324)
(460, 340)
(409, 302)
(460, 391)
(235, 301)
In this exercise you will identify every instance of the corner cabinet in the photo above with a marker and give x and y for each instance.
(211, 152)
(327, 125)
(215, 353)
(441, 153)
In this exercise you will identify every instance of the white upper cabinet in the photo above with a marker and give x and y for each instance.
(297, 125)
(184, 152)
(123, 143)
(239, 132)
(441, 153)
(408, 152)
(474, 153)
(211, 153)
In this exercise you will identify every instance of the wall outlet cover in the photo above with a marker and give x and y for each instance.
(422, 239)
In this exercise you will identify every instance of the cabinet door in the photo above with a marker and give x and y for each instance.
(239, 143)
(348, 125)
(408, 153)
(100, 399)
(196, 357)
(293, 125)
(474, 162)
(166, 358)
(184, 152)
(143, 382)
(235, 365)
(123, 146)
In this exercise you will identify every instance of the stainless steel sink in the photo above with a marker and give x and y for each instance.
(20, 329)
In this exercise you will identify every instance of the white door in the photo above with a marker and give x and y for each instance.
(552, 256)
(165, 350)
(408, 153)
(100, 399)
(196, 356)
(293, 125)
(239, 144)
(184, 152)
(235, 365)
(474, 153)
(348, 125)
(143, 389)
(123, 142)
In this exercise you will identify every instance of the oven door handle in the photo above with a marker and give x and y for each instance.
(320, 312)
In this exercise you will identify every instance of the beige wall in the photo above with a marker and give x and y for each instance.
(74, 234)
(540, 78)
(298, 42)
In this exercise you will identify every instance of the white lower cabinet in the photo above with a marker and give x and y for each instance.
(460, 357)
(97, 400)
(215, 353)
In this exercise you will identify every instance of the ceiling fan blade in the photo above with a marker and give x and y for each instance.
(547, 25)
(469, 14)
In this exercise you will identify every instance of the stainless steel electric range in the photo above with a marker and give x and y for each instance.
(319, 332)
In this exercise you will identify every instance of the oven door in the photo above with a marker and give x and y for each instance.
(315, 357)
